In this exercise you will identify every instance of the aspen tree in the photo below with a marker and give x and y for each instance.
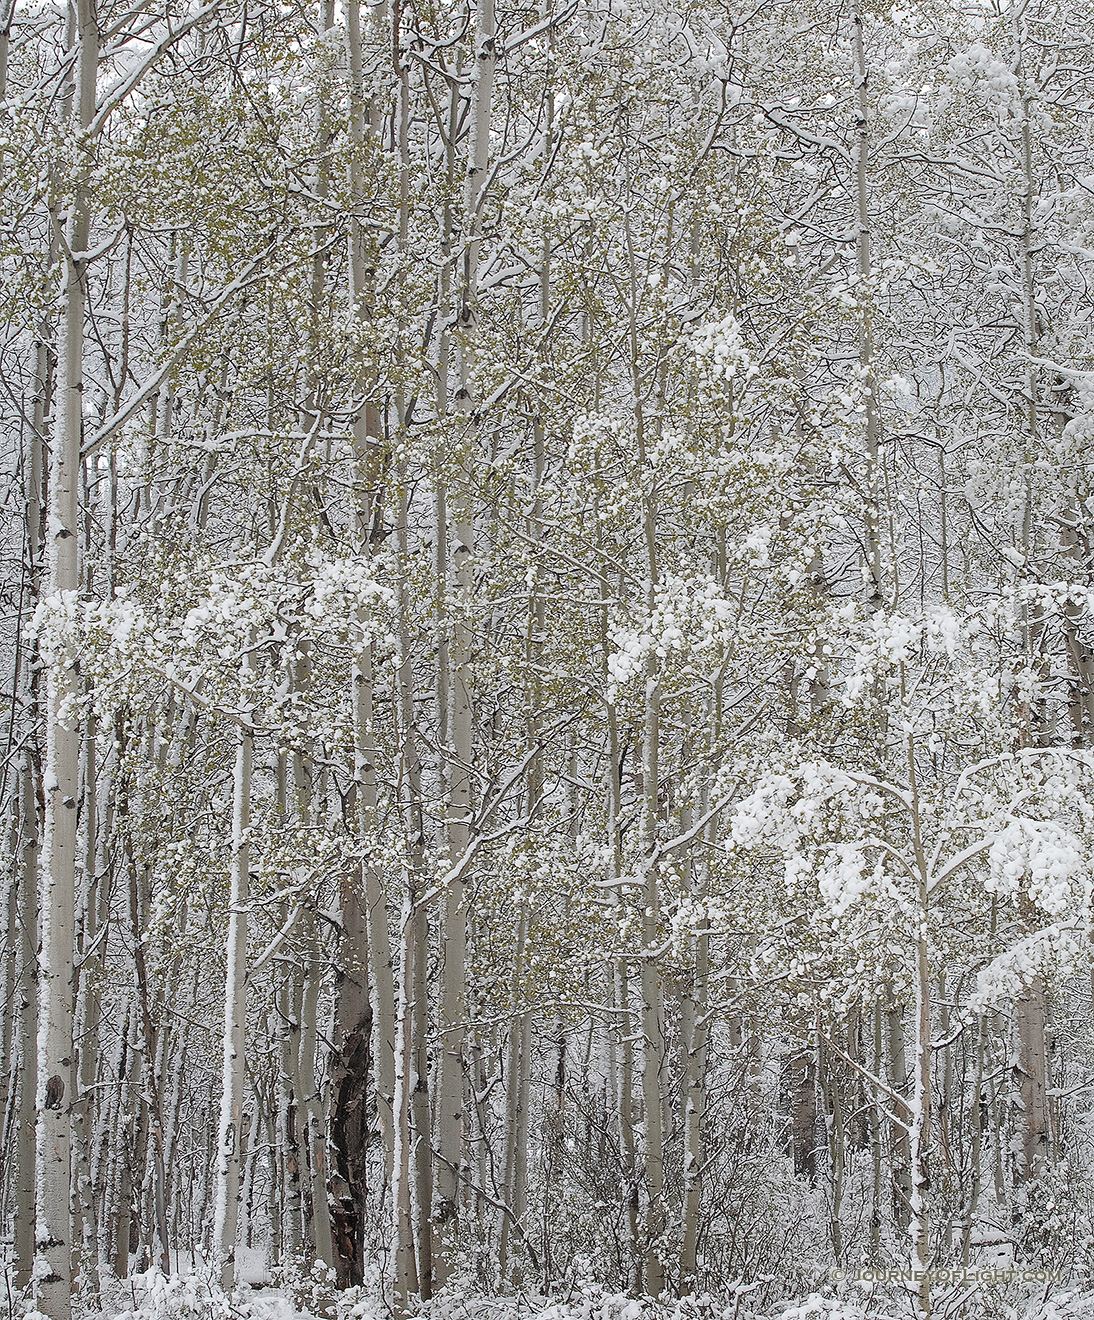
(230, 1133)
(313, 1098)
(415, 1260)
(897, 1059)
(93, 911)
(652, 1015)
(310, 1101)
(459, 754)
(518, 1051)
(56, 1079)
(120, 1192)
(289, 996)
(908, 1142)
(694, 1044)
(919, 1135)
(149, 1046)
(25, 1020)
(366, 1005)
(621, 1052)
(409, 1064)
(9, 961)
(1030, 1064)
(310, 1091)
(864, 267)
(22, 1015)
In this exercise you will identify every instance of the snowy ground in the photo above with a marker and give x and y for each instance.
(193, 1296)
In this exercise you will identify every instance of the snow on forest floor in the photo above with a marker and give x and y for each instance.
(193, 1295)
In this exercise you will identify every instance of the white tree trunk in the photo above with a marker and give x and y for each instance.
(453, 999)
(653, 1043)
(1029, 1088)
(516, 1117)
(313, 1102)
(621, 1052)
(694, 1037)
(919, 1136)
(410, 1108)
(56, 1080)
(367, 994)
(288, 1113)
(235, 1019)
(406, 1271)
(26, 1035)
(861, 157)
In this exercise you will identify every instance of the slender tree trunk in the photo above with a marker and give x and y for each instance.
(919, 1135)
(419, 1104)
(406, 1271)
(365, 1015)
(93, 937)
(861, 158)
(622, 1051)
(314, 1108)
(828, 1082)
(410, 1099)
(453, 995)
(898, 1080)
(288, 1112)
(1029, 1085)
(800, 1082)
(694, 1037)
(235, 1015)
(978, 1109)
(24, 930)
(126, 1143)
(27, 1031)
(1080, 657)
(56, 1079)
(250, 1171)
(516, 1125)
(652, 1017)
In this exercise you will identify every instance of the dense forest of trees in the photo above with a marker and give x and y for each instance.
(548, 659)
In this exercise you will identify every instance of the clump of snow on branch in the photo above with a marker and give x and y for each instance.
(989, 79)
(688, 614)
(888, 639)
(721, 345)
(1046, 862)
